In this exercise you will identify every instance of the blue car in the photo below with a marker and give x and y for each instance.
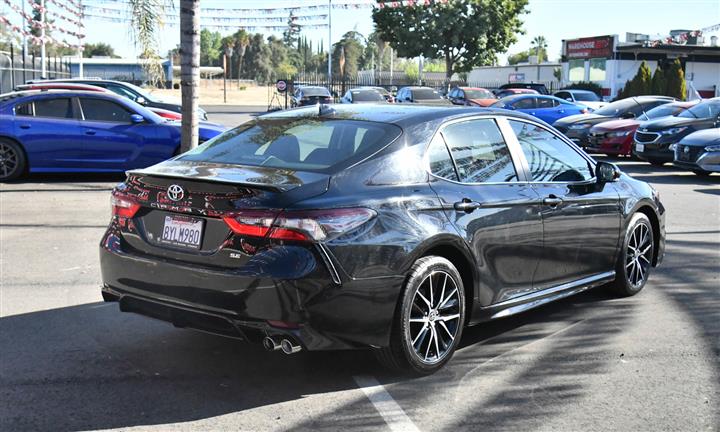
(547, 108)
(75, 131)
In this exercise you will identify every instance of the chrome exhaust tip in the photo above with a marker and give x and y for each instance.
(270, 344)
(289, 347)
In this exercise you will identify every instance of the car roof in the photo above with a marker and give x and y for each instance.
(575, 91)
(473, 88)
(60, 92)
(403, 115)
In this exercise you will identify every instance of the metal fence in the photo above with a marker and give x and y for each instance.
(16, 68)
(338, 85)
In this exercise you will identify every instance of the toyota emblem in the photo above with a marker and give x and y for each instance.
(175, 192)
(686, 150)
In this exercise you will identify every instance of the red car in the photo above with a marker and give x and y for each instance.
(615, 137)
(471, 96)
(171, 115)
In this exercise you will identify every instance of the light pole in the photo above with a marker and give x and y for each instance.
(43, 66)
(329, 72)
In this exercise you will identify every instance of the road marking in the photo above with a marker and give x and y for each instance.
(390, 411)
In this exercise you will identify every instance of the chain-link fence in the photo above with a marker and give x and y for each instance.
(16, 68)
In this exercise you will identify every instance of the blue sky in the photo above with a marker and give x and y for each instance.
(554, 19)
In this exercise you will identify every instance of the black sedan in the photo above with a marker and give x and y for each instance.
(655, 139)
(310, 95)
(375, 226)
(577, 127)
(699, 152)
(421, 95)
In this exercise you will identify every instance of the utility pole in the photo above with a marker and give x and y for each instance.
(329, 41)
(80, 42)
(24, 30)
(43, 66)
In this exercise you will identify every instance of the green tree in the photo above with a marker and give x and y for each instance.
(351, 48)
(99, 49)
(658, 85)
(291, 35)
(462, 33)
(256, 62)
(539, 48)
(644, 80)
(676, 81)
(211, 48)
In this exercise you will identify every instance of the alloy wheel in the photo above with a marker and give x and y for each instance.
(639, 255)
(8, 160)
(434, 317)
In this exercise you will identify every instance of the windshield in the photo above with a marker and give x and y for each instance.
(367, 96)
(706, 109)
(141, 92)
(478, 94)
(425, 94)
(616, 109)
(303, 144)
(662, 111)
(586, 97)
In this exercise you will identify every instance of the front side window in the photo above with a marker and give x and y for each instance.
(103, 110)
(480, 152)
(549, 157)
(524, 103)
(547, 103)
(53, 108)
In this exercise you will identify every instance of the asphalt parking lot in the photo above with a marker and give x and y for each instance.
(68, 361)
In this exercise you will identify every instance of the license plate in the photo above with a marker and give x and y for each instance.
(182, 231)
(640, 147)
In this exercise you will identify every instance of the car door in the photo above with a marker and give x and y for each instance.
(525, 104)
(47, 128)
(581, 218)
(487, 200)
(112, 140)
(548, 110)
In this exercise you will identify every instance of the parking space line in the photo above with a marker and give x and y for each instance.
(390, 411)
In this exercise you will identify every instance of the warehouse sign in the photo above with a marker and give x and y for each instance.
(592, 47)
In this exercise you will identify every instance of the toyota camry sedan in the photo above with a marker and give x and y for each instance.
(389, 228)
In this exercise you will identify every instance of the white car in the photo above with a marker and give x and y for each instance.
(584, 97)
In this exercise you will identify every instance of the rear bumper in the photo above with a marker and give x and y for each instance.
(318, 312)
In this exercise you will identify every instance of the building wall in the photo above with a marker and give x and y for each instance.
(705, 77)
(501, 74)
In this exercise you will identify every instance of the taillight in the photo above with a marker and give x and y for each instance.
(123, 206)
(310, 225)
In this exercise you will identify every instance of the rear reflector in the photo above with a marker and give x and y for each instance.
(123, 206)
(310, 225)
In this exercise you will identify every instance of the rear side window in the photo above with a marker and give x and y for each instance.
(307, 144)
(441, 163)
(479, 152)
(525, 103)
(103, 110)
(52, 108)
(546, 103)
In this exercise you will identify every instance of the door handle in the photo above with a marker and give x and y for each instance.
(552, 201)
(90, 132)
(466, 205)
(24, 126)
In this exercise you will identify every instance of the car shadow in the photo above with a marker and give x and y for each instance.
(92, 367)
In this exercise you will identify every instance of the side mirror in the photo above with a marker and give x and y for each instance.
(136, 118)
(628, 115)
(141, 100)
(606, 172)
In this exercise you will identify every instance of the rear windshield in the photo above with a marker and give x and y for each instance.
(479, 94)
(586, 97)
(367, 96)
(662, 111)
(303, 144)
(703, 110)
(425, 94)
(616, 109)
(315, 91)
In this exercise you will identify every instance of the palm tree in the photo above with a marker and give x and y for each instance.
(540, 45)
(241, 42)
(146, 19)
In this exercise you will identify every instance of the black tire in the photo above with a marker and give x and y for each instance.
(633, 269)
(656, 162)
(702, 173)
(443, 323)
(12, 160)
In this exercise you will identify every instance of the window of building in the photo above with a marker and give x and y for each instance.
(576, 70)
(597, 69)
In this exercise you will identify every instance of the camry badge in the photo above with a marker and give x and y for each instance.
(175, 192)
